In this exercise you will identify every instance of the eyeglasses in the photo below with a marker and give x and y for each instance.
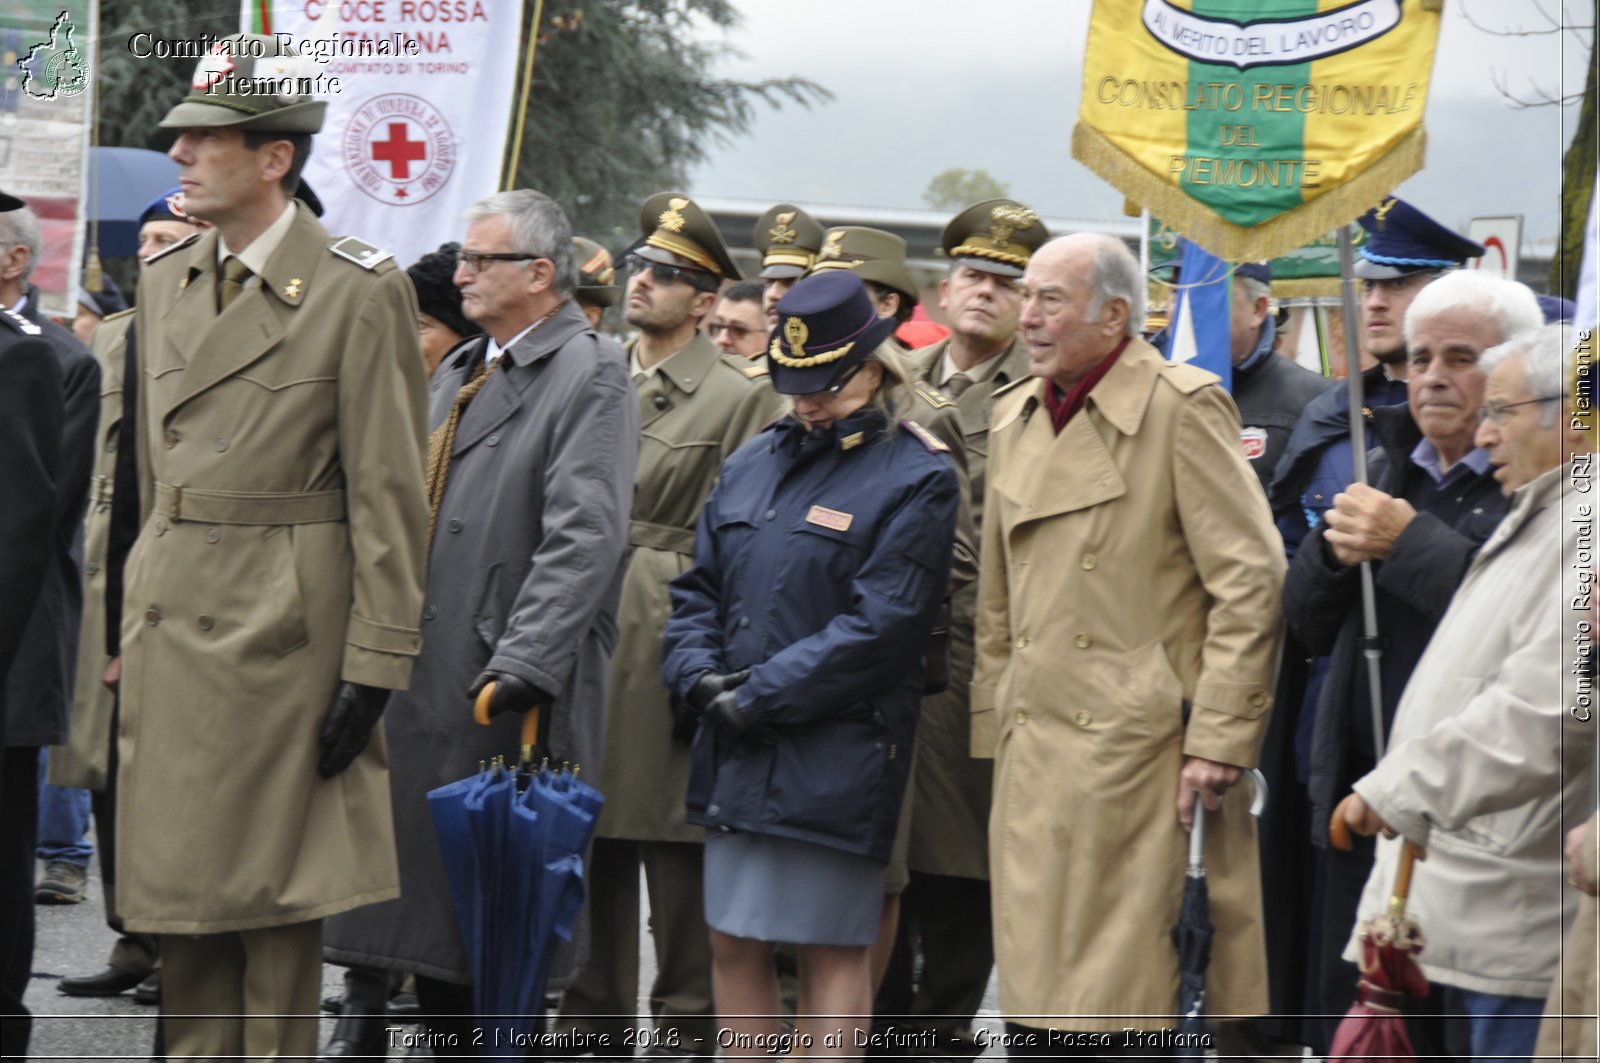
(660, 272)
(736, 331)
(1500, 412)
(474, 260)
(837, 386)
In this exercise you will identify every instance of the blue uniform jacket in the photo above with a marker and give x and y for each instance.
(820, 562)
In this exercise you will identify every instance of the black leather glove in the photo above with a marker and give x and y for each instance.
(710, 684)
(348, 726)
(511, 693)
(723, 713)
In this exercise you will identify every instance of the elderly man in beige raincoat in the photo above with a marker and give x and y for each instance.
(1126, 641)
(273, 595)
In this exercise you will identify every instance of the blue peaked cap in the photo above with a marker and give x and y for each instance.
(1402, 240)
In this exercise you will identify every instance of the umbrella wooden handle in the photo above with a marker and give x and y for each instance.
(530, 719)
(1410, 853)
(1338, 829)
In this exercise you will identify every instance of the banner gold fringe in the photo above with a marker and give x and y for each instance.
(1275, 236)
(1306, 288)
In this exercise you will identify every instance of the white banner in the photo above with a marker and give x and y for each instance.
(419, 103)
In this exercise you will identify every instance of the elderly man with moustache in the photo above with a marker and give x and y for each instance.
(1126, 639)
(1433, 504)
(1493, 754)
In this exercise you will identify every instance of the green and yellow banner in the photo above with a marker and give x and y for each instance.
(1256, 126)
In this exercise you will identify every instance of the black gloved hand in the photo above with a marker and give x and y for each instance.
(348, 726)
(709, 684)
(511, 693)
(684, 719)
(723, 713)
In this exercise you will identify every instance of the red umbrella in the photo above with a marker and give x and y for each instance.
(1374, 1030)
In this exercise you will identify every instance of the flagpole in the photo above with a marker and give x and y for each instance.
(510, 174)
(1370, 647)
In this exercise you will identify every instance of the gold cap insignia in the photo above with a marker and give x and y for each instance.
(831, 247)
(796, 333)
(783, 232)
(1008, 219)
(1382, 213)
(671, 219)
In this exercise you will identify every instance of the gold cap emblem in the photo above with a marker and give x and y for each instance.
(796, 333)
(783, 232)
(1008, 219)
(831, 247)
(1382, 214)
(672, 219)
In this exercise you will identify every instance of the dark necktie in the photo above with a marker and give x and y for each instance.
(957, 383)
(234, 274)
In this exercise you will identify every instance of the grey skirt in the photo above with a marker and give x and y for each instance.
(780, 889)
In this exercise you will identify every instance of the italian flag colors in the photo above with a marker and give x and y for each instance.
(1256, 126)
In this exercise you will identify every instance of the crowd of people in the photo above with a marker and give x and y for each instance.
(904, 654)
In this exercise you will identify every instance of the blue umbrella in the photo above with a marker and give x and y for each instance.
(122, 182)
(513, 855)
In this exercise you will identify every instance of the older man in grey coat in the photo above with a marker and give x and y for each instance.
(531, 464)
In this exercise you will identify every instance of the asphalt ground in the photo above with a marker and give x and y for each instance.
(72, 939)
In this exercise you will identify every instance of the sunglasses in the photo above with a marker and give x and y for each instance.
(660, 272)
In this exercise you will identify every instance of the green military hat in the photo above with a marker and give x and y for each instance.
(674, 223)
(251, 81)
(871, 254)
(596, 272)
(788, 239)
(995, 236)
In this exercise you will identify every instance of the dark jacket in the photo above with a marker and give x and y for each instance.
(1316, 463)
(1271, 391)
(39, 682)
(1322, 604)
(30, 469)
(820, 562)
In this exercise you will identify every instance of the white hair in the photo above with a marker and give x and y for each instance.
(539, 227)
(1547, 354)
(20, 228)
(1512, 306)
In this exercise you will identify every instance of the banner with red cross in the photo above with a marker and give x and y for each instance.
(419, 101)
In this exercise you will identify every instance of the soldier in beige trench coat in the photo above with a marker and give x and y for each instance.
(280, 561)
(1130, 572)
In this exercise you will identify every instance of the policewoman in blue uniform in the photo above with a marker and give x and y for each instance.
(798, 636)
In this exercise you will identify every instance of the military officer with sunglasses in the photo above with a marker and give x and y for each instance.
(696, 407)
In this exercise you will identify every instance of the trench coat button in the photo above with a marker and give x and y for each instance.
(712, 810)
(744, 621)
(1087, 562)
(1022, 717)
(772, 514)
(152, 616)
(1022, 642)
(1083, 641)
(429, 613)
(171, 438)
(213, 534)
(1258, 699)
(205, 622)
(221, 444)
(660, 401)
(493, 440)
(1083, 717)
(455, 524)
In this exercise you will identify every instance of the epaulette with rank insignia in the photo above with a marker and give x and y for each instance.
(929, 440)
(754, 370)
(361, 253)
(165, 251)
(20, 323)
(934, 397)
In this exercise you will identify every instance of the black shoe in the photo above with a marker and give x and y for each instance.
(148, 992)
(404, 1006)
(106, 983)
(359, 1033)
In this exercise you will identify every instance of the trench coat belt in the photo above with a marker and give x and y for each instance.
(178, 503)
(99, 490)
(661, 537)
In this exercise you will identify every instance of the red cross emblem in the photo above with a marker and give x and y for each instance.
(399, 151)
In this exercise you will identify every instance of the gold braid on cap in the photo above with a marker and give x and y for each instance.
(690, 250)
(796, 333)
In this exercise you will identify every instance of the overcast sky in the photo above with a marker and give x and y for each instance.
(921, 86)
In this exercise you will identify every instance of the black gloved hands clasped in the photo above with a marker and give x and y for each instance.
(348, 726)
(715, 698)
